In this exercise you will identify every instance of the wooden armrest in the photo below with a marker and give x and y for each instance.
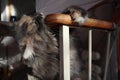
(64, 19)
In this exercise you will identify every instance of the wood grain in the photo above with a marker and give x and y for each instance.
(64, 19)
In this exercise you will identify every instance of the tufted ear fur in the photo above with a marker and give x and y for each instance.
(39, 21)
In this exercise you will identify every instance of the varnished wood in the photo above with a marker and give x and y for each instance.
(66, 20)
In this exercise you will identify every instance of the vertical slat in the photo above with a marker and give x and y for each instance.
(90, 55)
(107, 56)
(118, 54)
(64, 53)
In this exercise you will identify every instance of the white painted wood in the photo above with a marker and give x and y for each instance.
(64, 53)
(107, 56)
(90, 56)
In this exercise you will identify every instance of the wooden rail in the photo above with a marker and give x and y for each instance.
(64, 19)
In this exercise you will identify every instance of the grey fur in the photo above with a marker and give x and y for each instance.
(32, 30)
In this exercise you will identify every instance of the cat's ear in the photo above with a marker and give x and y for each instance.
(24, 18)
